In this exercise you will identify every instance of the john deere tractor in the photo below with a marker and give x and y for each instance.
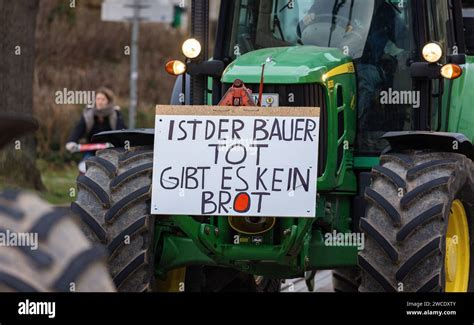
(393, 81)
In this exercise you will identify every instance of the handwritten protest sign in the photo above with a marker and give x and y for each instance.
(235, 161)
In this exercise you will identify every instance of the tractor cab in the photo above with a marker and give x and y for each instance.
(381, 37)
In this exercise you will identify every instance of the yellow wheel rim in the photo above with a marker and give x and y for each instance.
(457, 256)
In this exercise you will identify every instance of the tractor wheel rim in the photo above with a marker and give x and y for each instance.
(457, 255)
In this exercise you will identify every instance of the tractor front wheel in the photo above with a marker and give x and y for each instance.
(418, 224)
(113, 202)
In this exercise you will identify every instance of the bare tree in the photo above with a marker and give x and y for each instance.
(17, 60)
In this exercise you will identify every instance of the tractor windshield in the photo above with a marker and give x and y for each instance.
(343, 24)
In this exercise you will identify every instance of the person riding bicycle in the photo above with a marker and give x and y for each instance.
(101, 117)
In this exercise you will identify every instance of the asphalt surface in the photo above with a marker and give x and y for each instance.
(322, 283)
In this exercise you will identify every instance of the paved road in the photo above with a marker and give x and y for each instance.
(322, 283)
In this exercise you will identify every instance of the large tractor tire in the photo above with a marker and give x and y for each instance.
(418, 224)
(113, 201)
(54, 254)
(346, 280)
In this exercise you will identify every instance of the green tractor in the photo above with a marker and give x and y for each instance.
(395, 202)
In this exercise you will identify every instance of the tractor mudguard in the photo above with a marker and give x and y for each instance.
(178, 91)
(437, 141)
(130, 138)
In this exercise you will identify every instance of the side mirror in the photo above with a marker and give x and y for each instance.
(212, 68)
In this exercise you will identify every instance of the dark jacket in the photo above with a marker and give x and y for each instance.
(100, 125)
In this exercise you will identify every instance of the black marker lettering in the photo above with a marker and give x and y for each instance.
(223, 202)
(259, 178)
(246, 188)
(222, 130)
(170, 180)
(297, 129)
(275, 180)
(206, 199)
(210, 132)
(259, 125)
(171, 129)
(258, 146)
(190, 173)
(236, 129)
(216, 151)
(304, 182)
(182, 130)
(260, 198)
(194, 124)
(310, 127)
(238, 162)
(224, 178)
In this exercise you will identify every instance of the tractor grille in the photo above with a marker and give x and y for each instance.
(302, 95)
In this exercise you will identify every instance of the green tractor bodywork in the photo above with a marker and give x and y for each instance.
(461, 114)
(296, 245)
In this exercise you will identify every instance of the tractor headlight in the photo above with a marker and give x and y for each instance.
(175, 68)
(432, 52)
(191, 48)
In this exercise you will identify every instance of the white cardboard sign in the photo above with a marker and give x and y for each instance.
(235, 161)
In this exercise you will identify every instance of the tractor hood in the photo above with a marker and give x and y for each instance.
(291, 65)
